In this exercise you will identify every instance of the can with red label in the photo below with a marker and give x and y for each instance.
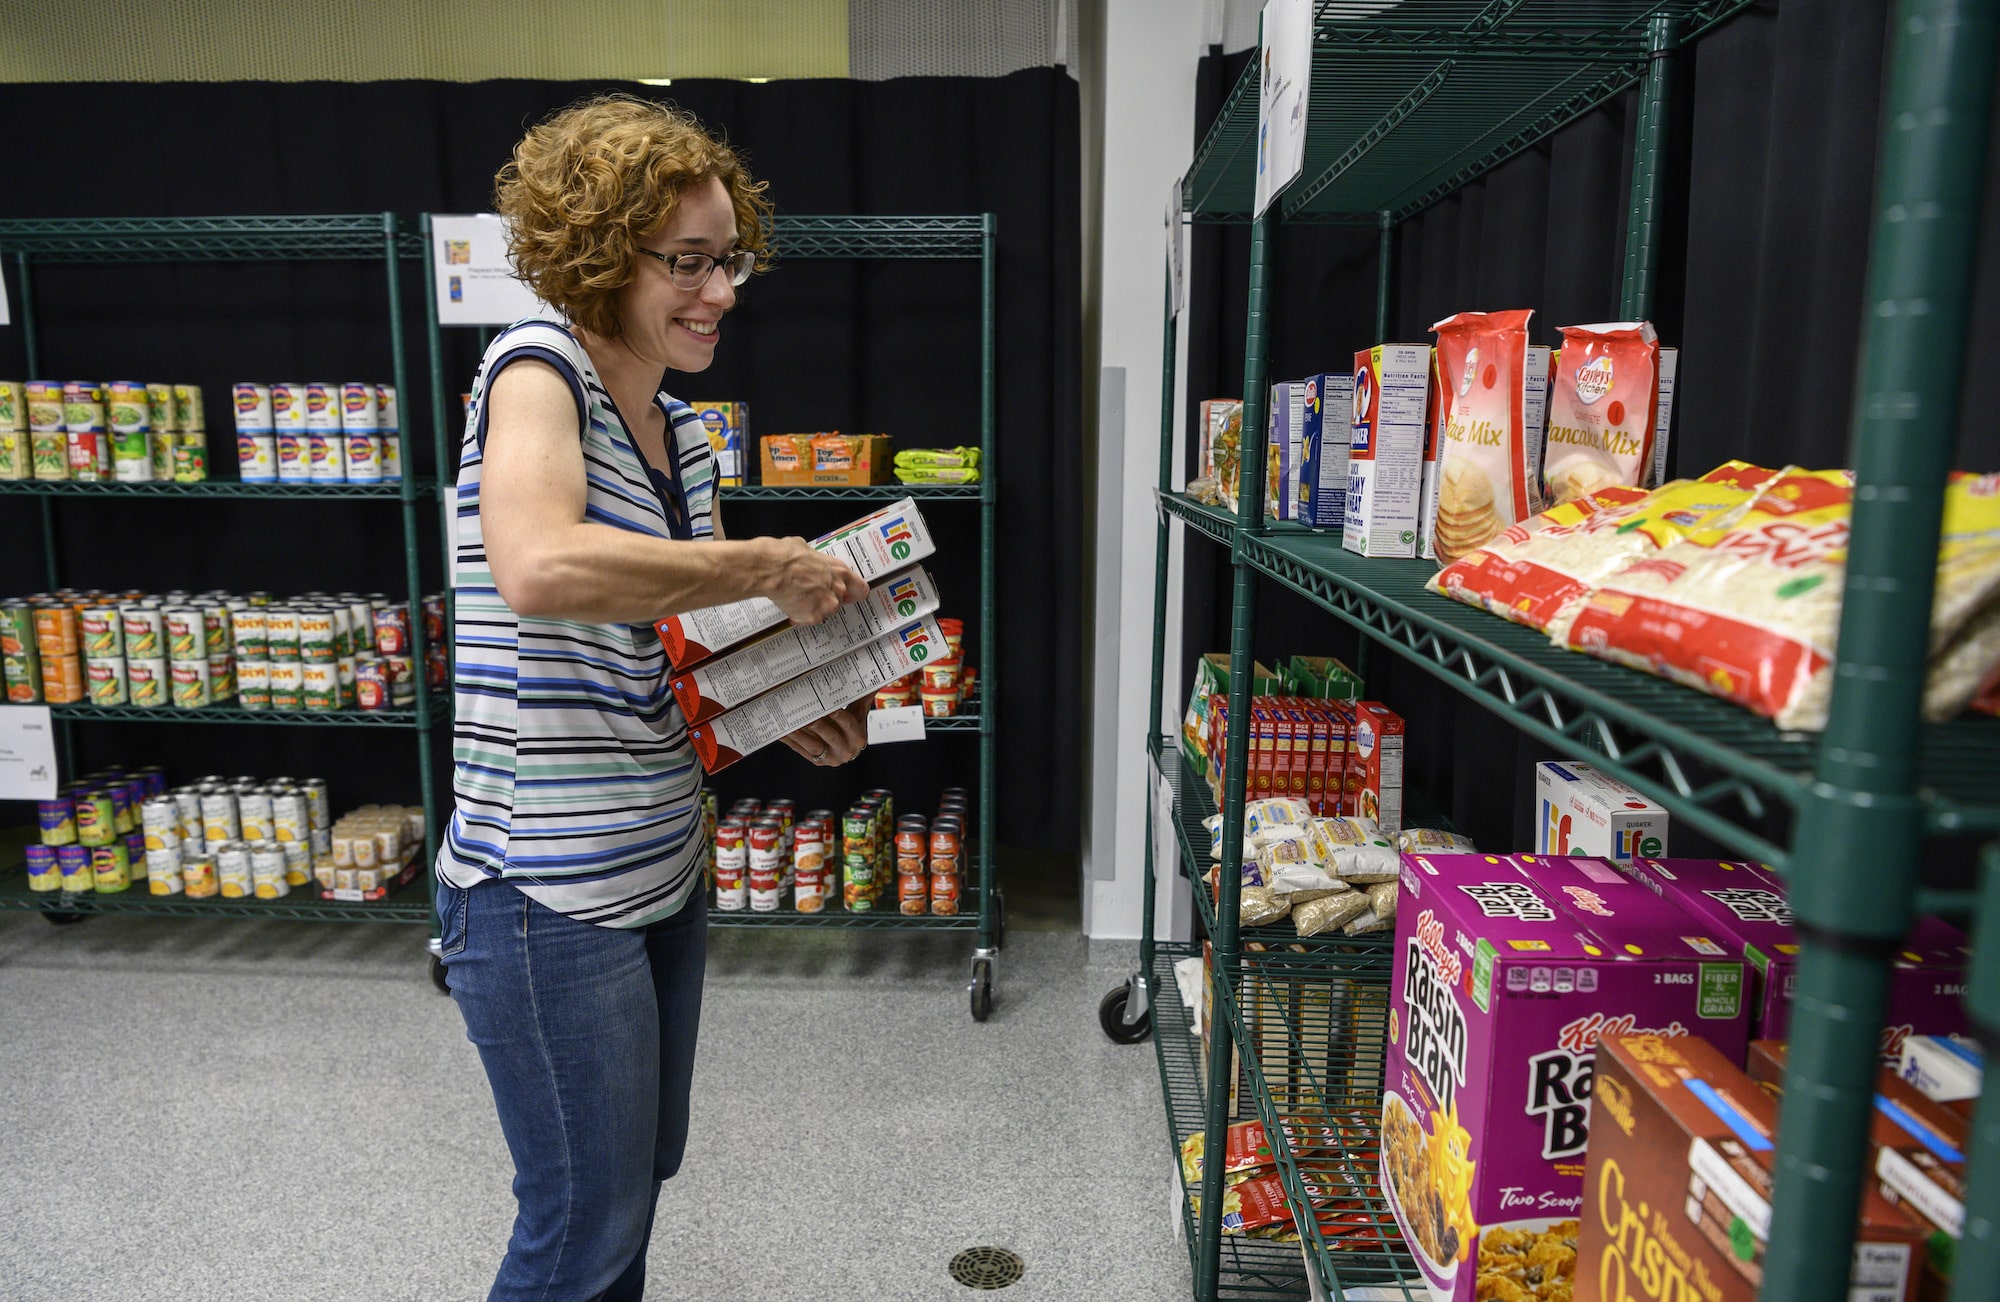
(945, 846)
(392, 630)
(767, 865)
(912, 837)
(371, 684)
(944, 894)
(809, 889)
(913, 889)
(732, 853)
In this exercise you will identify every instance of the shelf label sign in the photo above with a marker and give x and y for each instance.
(27, 753)
(1166, 846)
(1176, 258)
(1282, 96)
(898, 723)
(4, 318)
(475, 278)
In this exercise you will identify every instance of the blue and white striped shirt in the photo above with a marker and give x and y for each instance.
(574, 779)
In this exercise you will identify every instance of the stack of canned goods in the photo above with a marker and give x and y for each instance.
(320, 433)
(369, 850)
(237, 837)
(942, 687)
(317, 652)
(90, 432)
(90, 833)
(762, 852)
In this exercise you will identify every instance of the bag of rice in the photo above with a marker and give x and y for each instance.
(1489, 473)
(1433, 840)
(1296, 879)
(1355, 850)
(1537, 573)
(1381, 913)
(1260, 905)
(1751, 612)
(1604, 398)
(1317, 916)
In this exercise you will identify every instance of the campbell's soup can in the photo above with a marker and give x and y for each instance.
(944, 894)
(809, 889)
(767, 887)
(732, 864)
(913, 892)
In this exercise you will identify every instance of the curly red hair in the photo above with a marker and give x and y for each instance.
(588, 183)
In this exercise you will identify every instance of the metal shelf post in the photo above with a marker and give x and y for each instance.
(989, 489)
(1858, 853)
(1162, 542)
(1649, 163)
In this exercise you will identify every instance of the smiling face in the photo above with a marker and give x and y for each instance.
(672, 327)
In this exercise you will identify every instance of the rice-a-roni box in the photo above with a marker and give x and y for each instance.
(1506, 976)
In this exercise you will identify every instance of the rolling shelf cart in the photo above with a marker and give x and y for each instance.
(902, 238)
(363, 237)
(1408, 103)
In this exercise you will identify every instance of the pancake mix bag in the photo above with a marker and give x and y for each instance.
(1489, 472)
(1604, 400)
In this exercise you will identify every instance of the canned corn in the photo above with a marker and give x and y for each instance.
(298, 862)
(57, 819)
(106, 678)
(44, 868)
(145, 632)
(215, 629)
(96, 818)
(191, 685)
(73, 862)
(318, 812)
(164, 872)
(221, 678)
(253, 815)
(233, 871)
(187, 638)
(267, 872)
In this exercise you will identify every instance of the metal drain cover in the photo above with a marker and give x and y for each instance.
(987, 1268)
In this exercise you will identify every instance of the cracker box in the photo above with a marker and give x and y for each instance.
(1501, 989)
(877, 545)
(728, 426)
(1386, 449)
(1680, 1182)
(1283, 450)
(1375, 766)
(729, 736)
(1582, 811)
(727, 681)
(1328, 410)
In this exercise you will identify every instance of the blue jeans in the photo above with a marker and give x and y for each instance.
(587, 1034)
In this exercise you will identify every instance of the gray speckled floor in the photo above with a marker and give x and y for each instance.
(276, 1110)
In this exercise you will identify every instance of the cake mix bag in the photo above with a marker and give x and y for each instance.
(1507, 974)
(1540, 571)
(1604, 399)
(1488, 472)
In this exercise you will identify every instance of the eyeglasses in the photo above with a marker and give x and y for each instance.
(692, 270)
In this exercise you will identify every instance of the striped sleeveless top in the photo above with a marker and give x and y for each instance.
(573, 775)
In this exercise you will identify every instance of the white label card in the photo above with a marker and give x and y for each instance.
(476, 284)
(899, 723)
(27, 753)
(1166, 845)
(1176, 263)
(1282, 95)
(5, 319)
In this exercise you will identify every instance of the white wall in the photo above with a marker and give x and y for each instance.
(1150, 50)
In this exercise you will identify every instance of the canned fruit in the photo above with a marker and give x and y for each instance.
(44, 868)
(111, 867)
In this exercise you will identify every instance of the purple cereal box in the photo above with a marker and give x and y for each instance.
(1747, 903)
(1506, 975)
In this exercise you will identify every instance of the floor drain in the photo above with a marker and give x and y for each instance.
(987, 1268)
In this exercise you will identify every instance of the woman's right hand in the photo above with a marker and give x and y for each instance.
(807, 585)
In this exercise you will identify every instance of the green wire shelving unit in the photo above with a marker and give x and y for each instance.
(1408, 103)
(873, 238)
(380, 238)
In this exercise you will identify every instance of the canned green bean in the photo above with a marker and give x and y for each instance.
(320, 685)
(281, 632)
(287, 685)
(250, 631)
(253, 684)
(13, 406)
(16, 454)
(111, 867)
(188, 414)
(190, 462)
(160, 407)
(345, 670)
(343, 630)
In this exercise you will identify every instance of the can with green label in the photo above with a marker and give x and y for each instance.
(111, 867)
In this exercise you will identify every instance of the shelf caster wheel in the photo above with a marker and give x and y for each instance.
(981, 989)
(438, 976)
(57, 919)
(1112, 1015)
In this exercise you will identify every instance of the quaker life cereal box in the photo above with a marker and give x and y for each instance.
(1670, 366)
(1386, 450)
(1582, 811)
(1328, 440)
(1679, 1186)
(1946, 1069)
(1375, 766)
(1501, 990)
(876, 546)
(1283, 450)
(1741, 908)
(728, 426)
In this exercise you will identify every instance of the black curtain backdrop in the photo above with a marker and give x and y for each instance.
(878, 347)
(1768, 189)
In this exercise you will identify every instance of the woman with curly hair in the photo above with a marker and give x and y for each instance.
(570, 898)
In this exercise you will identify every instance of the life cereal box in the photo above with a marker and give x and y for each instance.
(1507, 973)
(1385, 462)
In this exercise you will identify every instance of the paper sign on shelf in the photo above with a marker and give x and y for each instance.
(1282, 92)
(1166, 846)
(898, 723)
(476, 284)
(27, 753)
(1176, 259)
(4, 318)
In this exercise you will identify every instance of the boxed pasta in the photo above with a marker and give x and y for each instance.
(727, 681)
(876, 546)
(1222, 445)
(1496, 386)
(800, 460)
(1386, 450)
(1329, 421)
(1681, 1179)
(1670, 365)
(755, 724)
(1582, 811)
(728, 426)
(1604, 406)
(1505, 979)
(1284, 433)
(1946, 1069)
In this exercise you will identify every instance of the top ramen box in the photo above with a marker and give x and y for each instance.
(1392, 384)
(1681, 1179)
(729, 736)
(1581, 811)
(717, 685)
(1501, 988)
(876, 546)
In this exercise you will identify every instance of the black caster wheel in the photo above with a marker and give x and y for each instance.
(1111, 1016)
(981, 989)
(63, 919)
(437, 976)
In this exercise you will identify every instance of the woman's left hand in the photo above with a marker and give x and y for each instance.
(836, 739)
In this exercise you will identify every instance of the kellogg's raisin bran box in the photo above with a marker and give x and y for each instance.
(1502, 987)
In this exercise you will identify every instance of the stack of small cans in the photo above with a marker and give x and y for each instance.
(90, 838)
(237, 837)
(92, 432)
(324, 432)
(761, 851)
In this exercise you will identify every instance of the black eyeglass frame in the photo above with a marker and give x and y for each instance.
(741, 262)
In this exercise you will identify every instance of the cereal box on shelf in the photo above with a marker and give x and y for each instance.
(1582, 811)
(1375, 766)
(1386, 450)
(1680, 1184)
(1329, 421)
(1502, 987)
